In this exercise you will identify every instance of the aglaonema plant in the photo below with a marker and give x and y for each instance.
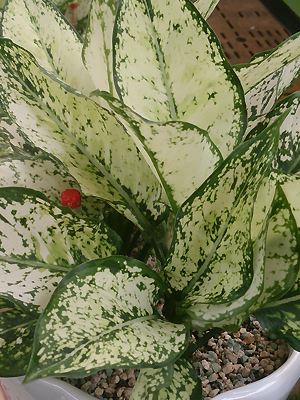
(174, 152)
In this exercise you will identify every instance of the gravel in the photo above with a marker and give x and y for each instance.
(230, 360)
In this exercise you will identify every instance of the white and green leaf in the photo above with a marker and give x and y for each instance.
(161, 67)
(13, 136)
(39, 173)
(282, 252)
(265, 81)
(150, 381)
(288, 159)
(180, 154)
(211, 253)
(205, 7)
(39, 243)
(291, 186)
(103, 315)
(97, 50)
(17, 324)
(184, 384)
(281, 320)
(85, 137)
(55, 45)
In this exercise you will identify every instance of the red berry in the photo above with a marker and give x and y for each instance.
(71, 198)
(73, 6)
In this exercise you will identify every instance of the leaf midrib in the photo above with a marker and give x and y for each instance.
(19, 326)
(161, 61)
(34, 264)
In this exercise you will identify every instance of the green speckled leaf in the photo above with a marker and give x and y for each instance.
(211, 254)
(39, 28)
(184, 384)
(288, 159)
(203, 316)
(13, 135)
(205, 7)
(266, 80)
(42, 174)
(94, 147)
(282, 252)
(170, 66)
(291, 187)
(150, 381)
(39, 243)
(103, 315)
(17, 324)
(282, 320)
(181, 155)
(97, 51)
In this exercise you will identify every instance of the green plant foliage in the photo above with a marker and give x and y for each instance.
(146, 119)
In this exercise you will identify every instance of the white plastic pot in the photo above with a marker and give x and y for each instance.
(276, 386)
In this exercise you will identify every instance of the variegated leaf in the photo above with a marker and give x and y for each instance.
(275, 267)
(42, 174)
(17, 324)
(203, 316)
(85, 137)
(5, 147)
(55, 45)
(288, 159)
(45, 175)
(161, 67)
(211, 254)
(39, 243)
(13, 135)
(281, 320)
(282, 252)
(205, 7)
(291, 187)
(184, 385)
(103, 314)
(97, 50)
(150, 381)
(266, 80)
(181, 155)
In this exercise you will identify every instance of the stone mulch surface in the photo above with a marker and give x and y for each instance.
(229, 360)
(232, 360)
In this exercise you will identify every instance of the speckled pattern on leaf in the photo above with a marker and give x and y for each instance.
(184, 384)
(288, 159)
(282, 256)
(264, 81)
(55, 45)
(180, 154)
(281, 320)
(211, 256)
(104, 315)
(161, 67)
(97, 50)
(42, 174)
(86, 138)
(39, 243)
(17, 324)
